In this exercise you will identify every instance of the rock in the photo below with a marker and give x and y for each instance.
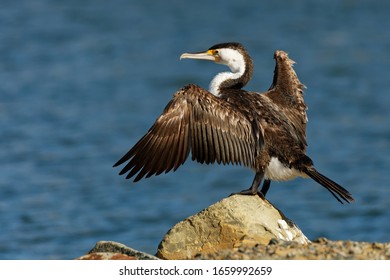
(109, 250)
(320, 249)
(239, 220)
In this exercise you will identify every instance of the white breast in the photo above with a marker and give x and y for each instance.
(277, 171)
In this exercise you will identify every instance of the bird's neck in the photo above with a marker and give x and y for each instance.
(236, 79)
(225, 80)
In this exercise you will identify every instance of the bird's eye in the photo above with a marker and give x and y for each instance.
(216, 52)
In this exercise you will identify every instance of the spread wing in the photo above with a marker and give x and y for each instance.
(197, 121)
(287, 91)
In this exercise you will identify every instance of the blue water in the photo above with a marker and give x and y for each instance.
(82, 81)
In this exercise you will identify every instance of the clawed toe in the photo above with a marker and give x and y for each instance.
(253, 190)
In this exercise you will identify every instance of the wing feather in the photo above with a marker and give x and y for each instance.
(180, 147)
(217, 148)
(223, 145)
(210, 142)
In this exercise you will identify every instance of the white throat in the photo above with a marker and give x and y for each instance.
(236, 62)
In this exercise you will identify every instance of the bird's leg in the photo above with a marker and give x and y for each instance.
(254, 187)
(265, 188)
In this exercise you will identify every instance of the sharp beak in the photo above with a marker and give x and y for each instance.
(207, 55)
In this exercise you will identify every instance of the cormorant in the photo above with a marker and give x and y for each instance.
(265, 132)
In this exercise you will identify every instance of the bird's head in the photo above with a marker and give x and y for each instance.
(233, 55)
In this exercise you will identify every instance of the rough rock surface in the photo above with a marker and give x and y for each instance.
(239, 220)
(109, 250)
(106, 256)
(320, 249)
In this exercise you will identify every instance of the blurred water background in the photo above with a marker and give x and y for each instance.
(82, 81)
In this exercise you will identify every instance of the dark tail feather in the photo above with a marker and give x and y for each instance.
(335, 189)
